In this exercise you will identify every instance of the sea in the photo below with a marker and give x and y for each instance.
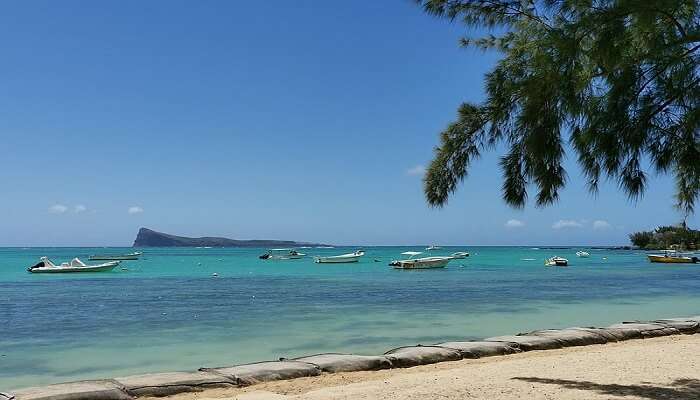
(168, 311)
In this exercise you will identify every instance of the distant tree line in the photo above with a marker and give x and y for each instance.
(666, 237)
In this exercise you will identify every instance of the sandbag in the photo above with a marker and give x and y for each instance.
(410, 356)
(80, 390)
(249, 374)
(687, 326)
(482, 349)
(334, 362)
(611, 335)
(169, 383)
(528, 342)
(571, 337)
(646, 330)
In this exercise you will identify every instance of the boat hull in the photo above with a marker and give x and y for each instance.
(557, 262)
(423, 263)
(343, 258)
(298, 257)
(63, 270)
(337, 260)
(672, 259)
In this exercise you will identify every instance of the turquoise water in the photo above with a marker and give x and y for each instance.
(167, 312)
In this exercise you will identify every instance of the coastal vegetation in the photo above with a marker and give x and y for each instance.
(614, 82)
(667, 237)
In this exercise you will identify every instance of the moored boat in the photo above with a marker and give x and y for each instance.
(433, 247)
(343, 258)
(460, 254)
(673, 257)
(556, 262)
(46, 266)
(420, 263)
(582, 254)
(282, 254)
(116, 257)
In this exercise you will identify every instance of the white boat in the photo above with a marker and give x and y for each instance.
(583, 254)
(46, 266)
(420, 263)
(343, 258)
(433, 247)
(556, 262)
(460, 255)
(282, 254)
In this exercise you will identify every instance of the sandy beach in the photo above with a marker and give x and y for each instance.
(661, 368)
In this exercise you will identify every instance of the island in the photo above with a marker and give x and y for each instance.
(150, 238)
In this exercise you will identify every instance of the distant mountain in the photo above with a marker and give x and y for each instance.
(150, 238)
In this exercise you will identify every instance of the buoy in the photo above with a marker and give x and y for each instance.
(214, 274)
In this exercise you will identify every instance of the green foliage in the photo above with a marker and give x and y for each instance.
(618, 80)
(666, 237)
(642, 239)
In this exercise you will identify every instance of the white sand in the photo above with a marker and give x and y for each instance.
(662, 368)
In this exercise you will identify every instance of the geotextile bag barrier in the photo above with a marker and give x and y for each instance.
(528, 342)
(611, 335)
(482, 349)
(646, 330)
(248, 374)
(336, 362)
(687, 326)
(571, 337)
(80, 390)
(411, 356)
(169, 383)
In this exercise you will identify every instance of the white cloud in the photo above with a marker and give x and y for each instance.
(79, 208)
(58, 209)
(417, 170)
(566, 223)
(514, 223)
(135, 210)
(601, 224)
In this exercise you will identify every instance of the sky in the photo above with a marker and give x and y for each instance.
(304, 120)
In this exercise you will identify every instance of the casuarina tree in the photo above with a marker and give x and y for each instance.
(616, 83)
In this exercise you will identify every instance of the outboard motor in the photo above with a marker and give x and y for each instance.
(264, 256)
(696, 260)
(39, 265)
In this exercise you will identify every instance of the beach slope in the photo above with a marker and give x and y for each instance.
(660, 368)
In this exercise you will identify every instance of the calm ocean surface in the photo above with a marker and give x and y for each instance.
(166, 312)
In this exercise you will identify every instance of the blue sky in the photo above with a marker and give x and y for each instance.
(305, 120)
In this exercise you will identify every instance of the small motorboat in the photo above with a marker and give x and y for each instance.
(673, 257)
(556, 262)
(420, 263)
(115, 257)
(343, 258)
(433, 247)
(46, 266)
(583, 254)
(282, 254)
(460, 255)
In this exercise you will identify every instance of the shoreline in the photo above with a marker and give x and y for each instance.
(337, 368)
(664, 367)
